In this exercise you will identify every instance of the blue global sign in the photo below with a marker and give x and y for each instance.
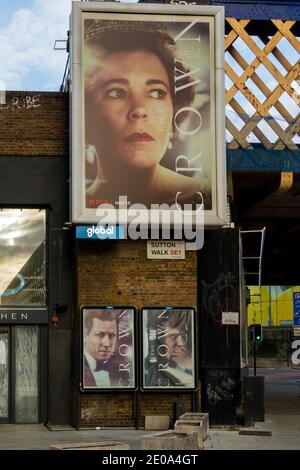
(100, 232)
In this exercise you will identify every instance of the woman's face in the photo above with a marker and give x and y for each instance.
(132, 109)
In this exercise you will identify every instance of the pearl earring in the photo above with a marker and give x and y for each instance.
(170, 145)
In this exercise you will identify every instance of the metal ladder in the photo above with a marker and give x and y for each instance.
(257, 272)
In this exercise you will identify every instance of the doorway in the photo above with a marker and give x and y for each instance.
(19, 373)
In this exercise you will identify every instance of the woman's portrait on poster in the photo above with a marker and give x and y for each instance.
(147, 113)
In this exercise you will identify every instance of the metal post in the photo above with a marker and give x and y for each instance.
(254, 357)
(262, 241)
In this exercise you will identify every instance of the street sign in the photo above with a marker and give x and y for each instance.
(296, 304)
(167, 249)
(230, 318)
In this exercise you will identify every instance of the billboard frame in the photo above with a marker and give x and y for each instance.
(80, 213)
(121, 352)
(157, 342)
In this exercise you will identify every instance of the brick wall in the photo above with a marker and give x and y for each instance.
(163, 404)
(119, 273)
(107, 409)
(34, 124)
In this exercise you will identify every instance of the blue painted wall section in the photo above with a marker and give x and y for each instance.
(268, 9)
(262, 159)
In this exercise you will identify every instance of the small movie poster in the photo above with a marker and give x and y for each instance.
(108, 348)
(168, 349)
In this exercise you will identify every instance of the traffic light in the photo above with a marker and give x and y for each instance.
(256, 332)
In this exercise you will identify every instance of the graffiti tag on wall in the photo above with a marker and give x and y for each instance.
(15, 103)
(221, 386)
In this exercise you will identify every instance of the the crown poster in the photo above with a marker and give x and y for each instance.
(148, 130)
(168, 338)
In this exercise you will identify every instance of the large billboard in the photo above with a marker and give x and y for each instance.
(147, 111)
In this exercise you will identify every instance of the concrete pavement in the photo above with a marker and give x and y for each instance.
(282, 402)
(282, 416)
(285, 436)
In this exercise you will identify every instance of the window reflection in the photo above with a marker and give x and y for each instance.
(22, 257)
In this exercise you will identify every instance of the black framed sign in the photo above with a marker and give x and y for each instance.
(108, 348)
(168, 349)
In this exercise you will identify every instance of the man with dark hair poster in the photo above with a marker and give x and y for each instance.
(107, 345)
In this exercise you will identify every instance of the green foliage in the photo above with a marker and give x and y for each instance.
(275, 344)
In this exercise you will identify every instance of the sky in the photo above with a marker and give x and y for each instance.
(28, 30)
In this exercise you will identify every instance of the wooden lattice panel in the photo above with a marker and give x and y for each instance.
(262, 87)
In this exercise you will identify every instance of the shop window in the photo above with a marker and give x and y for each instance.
(23, 257)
